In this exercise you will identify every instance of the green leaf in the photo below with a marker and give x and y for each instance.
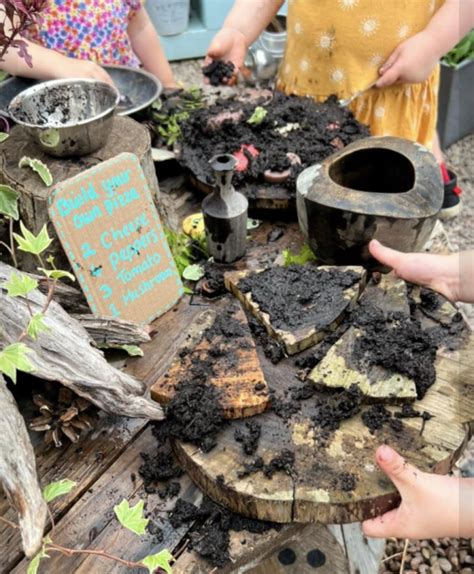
(132, 350)
(57, 274)
(188, 291)
(304, 256)
(259, 114)
(9, 202)
(3, 136)
(35, 562)
(14, 358)
(58, 488)
(131, 517)
(19, 285)
(193, 272)
(464, 50)
(36, 325)
(161, 560)
(39, 167)
(30, 243)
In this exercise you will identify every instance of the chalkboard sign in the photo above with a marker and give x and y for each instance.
(111, 232)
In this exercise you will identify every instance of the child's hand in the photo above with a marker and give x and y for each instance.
(74, 68)
(432, 506)
(411, 62)
(228, 44)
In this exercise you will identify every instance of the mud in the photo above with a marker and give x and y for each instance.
(283, 462)
(309, 130)
(272, 349)
(158, 467)
(331, 410)
(249, 436)
(213, 284)
(219, 72)
(299, 296)
(346, 481)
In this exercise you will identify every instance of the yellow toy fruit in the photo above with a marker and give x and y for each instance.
(193, 225)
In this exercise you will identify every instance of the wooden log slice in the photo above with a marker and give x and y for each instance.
(236, 370)
(318, 486)
(127, 135)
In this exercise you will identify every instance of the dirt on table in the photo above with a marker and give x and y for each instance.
(299, 296)
(295, 125)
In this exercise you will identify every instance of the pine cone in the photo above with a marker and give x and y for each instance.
(62, 414)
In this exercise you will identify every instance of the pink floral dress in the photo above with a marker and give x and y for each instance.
(88, 29)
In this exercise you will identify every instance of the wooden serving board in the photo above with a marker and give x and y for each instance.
(306, 336)
(338, 370)
(241, 382)
(311, 491)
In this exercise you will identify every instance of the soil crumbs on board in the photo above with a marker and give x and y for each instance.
(299, 296)
(292, 124)
(219, 72)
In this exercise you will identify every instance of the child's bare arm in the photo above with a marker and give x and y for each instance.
(414, 60)
(243, 25)
(146, 45)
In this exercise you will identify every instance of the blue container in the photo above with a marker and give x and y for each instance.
(170, 17)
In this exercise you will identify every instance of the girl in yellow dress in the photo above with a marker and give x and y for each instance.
(343, 46)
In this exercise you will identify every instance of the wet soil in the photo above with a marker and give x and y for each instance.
(272, 349)
(219, 72)
(311, 130)
(299, 296)
(249, 436)
(284, 461)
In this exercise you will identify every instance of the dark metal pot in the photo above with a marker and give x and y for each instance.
(382, 188)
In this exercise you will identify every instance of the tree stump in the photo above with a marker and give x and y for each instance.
(127, 136)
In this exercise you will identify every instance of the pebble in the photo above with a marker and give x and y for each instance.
(466, 571)
(445, 565)
(415, 562)
(423, 569)
(426, 553)
(436, 569)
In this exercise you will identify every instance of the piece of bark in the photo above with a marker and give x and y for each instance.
(64, 353)
(18, 473)
(110, 332)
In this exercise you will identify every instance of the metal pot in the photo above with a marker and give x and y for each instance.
(71, 117)
(382, 188)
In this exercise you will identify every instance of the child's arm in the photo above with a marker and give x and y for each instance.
(432, 506)
(414, 60)
(50, 65)
(146, 45)
(243, 25)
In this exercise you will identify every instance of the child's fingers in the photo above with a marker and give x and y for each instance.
(390, 77)
(385, 526)
(403, 475)
(387, 256)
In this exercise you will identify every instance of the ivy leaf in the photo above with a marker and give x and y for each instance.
(35, 562)
(36, 326)
(160, 560)
(3, 136)
(258, 116)
(57, 274)
(9, 202)
(304, 256)
(30, 243)
(14, 358)
(39, 167)
(19, 285)
(58, 488)
(131, 517)
(193, 272)
(132, 350)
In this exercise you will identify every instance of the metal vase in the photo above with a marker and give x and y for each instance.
(225, 213)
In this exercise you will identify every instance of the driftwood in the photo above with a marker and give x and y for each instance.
(18, 473)
(64, 354)
(109, 332)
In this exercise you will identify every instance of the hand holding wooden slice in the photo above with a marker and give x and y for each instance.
(220, 346)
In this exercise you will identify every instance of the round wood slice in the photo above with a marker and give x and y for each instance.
(127, 135)
(311, 493)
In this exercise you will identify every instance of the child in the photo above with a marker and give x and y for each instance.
(73, 38)
(432, 506)
(343, 46)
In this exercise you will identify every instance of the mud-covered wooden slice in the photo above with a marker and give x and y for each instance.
(220, 348)
(298, 304)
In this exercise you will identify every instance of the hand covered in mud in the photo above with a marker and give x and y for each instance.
(228, 44)
(432, 506)
(438, 272)
(74, 68)
(411, 62)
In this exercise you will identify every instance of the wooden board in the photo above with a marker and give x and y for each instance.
(309, 493)
(238, 374)
(339, 370)
(304, 337)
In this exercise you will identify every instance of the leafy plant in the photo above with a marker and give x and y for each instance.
(304, 256)
(131, 517)
(186, 251)
(193, 272)
(16, 16)
(14, 358)
(464, 50)
(259, 114)
(38, 167)
(57, 488)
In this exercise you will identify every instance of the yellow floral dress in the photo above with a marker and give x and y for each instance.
(338, 46)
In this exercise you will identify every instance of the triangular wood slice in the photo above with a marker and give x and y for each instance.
(339, 370)
(304, 335)
(220, 338)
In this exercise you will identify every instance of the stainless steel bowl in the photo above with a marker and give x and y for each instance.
(67, 118)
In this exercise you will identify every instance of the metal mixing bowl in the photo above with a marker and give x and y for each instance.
(70, 117)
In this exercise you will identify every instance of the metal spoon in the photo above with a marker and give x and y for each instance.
(345, 102)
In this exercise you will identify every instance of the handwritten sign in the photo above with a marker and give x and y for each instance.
(111, 232)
